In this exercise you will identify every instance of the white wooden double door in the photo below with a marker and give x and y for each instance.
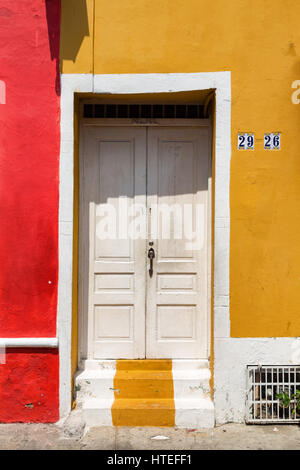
(142, 188)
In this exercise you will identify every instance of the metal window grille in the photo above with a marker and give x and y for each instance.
(144, 111)
(263, 385)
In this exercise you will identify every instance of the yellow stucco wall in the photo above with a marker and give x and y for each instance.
(259, 42)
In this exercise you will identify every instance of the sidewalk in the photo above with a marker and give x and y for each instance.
(227, 437)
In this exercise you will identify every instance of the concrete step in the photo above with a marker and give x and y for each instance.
(143, 412)
(178, 364)
(143, 383)
(130, 412)
(194, 413)
(149, 412)
(145, 393)
(97, 411)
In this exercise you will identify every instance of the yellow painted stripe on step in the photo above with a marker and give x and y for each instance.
(144, 393)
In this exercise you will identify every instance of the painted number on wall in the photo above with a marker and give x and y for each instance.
(272, 141)
(246, 141)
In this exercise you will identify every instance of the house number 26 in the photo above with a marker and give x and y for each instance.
(272, 141)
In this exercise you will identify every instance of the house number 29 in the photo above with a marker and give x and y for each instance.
(246, 141)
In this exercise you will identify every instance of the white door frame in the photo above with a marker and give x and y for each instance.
(135, 84)
(170, 123)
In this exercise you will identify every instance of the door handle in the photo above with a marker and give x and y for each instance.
(151, 256)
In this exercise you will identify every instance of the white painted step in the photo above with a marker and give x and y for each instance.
(97, 412)
(100, 383)
(193, 405)
(94, 384)
(195, 413)
(191, 414)
(178, 364)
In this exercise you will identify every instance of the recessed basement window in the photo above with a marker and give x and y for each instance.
(144, 111)
(264, 384)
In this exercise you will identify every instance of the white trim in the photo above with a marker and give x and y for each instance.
(70, 84)
(29, 342)
(127, 84)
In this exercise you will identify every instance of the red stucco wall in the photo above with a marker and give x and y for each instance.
(29, 386)
(29, 171)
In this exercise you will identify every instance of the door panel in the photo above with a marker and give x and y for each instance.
(163, 172)
(113, 177)
(176, 318)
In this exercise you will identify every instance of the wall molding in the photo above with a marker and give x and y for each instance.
(29, 342)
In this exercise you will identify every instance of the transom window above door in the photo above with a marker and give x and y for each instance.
(143, 111)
